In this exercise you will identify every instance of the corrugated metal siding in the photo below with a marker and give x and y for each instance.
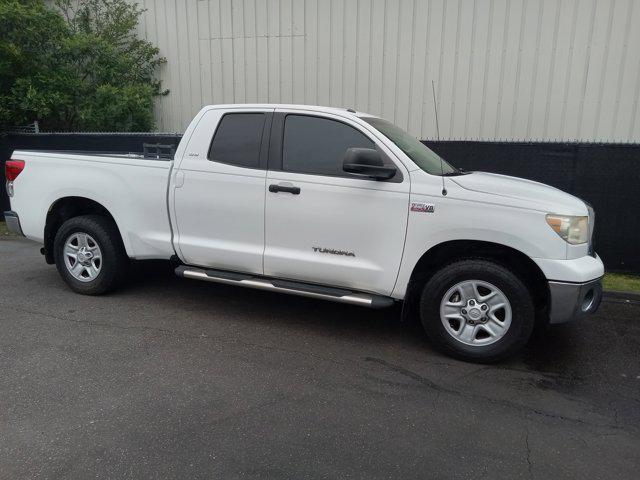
(503, 69)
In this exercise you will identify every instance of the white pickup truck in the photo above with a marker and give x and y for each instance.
(327, 203)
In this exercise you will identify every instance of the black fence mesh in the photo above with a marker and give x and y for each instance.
(605, 175)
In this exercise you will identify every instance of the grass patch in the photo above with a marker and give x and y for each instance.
(4, 231)
(622, 282)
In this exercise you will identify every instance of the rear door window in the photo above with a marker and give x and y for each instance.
(237, 139)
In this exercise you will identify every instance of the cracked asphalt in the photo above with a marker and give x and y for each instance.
(174, 378)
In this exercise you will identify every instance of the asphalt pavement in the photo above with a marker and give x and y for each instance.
(175, 378)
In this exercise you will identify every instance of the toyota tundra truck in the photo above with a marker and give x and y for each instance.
(327, 203)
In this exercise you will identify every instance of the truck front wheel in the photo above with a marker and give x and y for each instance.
(477, 310)
(89, 254)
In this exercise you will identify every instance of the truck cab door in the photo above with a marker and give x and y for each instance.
(326, 226)
(218, 191)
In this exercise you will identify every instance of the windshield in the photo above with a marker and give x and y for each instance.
(422, 156)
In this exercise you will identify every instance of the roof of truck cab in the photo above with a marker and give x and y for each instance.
(346, 111)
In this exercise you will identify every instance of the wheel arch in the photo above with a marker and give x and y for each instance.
(443, 253)
(65, 208)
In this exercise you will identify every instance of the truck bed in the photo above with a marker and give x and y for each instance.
(133, 187)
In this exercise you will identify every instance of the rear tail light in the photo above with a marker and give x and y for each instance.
(13, 168)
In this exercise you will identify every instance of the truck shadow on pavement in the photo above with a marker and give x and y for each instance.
(558, 349)
(586, 363)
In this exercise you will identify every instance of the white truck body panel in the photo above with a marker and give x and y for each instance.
(133, 190)
(465, 214)
(230, 198)
(347, 215)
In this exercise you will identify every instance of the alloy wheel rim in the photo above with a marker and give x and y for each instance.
(475, 313)
(82, 257)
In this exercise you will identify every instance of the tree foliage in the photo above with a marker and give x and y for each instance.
(76, 65)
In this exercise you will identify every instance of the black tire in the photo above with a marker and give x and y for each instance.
(516, 292)
(114, 260)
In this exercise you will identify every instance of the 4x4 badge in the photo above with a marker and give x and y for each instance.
(422, 207)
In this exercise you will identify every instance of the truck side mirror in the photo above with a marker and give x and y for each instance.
(367, 162)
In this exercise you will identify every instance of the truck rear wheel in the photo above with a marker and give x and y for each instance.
(477, 310)
(89, 254)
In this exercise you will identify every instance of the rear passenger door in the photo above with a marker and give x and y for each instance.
(326, 226)
(219, 191)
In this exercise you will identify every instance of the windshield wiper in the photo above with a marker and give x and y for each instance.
(457, 172)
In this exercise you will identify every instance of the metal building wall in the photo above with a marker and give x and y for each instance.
(503, 69)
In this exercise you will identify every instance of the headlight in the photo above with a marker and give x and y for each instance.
(572, 229)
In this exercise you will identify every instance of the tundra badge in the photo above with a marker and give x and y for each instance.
(333, 251)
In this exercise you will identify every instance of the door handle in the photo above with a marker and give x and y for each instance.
(284, 188)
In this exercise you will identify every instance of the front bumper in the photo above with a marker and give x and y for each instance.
(572, 301)
(13, 222)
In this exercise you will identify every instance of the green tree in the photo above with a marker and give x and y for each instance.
(77, 65)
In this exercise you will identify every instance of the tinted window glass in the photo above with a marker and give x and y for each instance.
(317, 145)
(237, 139)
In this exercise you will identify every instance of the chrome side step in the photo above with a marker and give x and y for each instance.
(285, 286)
